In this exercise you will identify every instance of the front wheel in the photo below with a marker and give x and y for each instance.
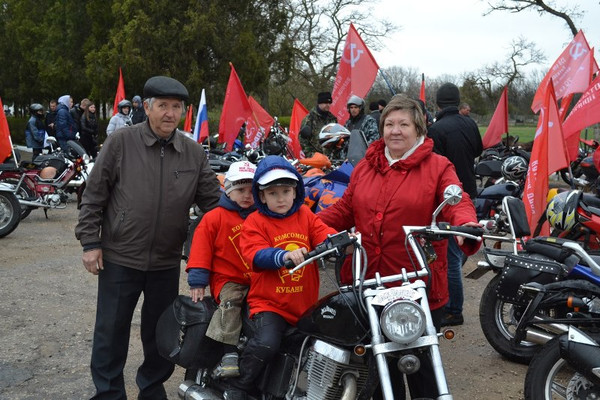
(499, 321)
(10, 213)
(550, 377)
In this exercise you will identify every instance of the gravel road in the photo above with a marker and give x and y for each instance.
(47, 309)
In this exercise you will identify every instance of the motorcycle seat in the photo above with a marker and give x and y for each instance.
(9, 167)
(592, 202)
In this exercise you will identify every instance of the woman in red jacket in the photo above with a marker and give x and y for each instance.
(401, 182)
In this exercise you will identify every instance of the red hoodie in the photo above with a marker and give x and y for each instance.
(381, 199)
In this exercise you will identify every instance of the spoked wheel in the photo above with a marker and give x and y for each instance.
(9, 213)
(550, 377)
(24, 192)
(499, 321)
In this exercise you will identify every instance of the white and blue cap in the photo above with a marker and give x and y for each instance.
(277, 177)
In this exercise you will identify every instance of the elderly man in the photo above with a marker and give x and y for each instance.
(132, 225)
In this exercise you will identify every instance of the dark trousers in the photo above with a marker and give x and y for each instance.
(422, 383)
(119, 289)
(269, 329)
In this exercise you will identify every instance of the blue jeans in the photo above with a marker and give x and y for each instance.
(455, 287)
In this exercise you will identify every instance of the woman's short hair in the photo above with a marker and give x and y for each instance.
(402, 102)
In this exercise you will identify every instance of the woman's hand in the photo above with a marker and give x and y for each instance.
(460, 239)
(297, 256)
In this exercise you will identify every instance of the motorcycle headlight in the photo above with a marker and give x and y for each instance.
(402, 321)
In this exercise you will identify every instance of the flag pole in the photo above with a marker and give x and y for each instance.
(12, 149)
(386, 81)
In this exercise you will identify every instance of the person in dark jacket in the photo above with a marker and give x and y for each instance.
(312, 124)
(132, 225)
(66, 127)
(89, 130)
(137, 113)
(359, 120)
(35, 131)
(456, 137)
(374, 111)
(51, 118)
(78, 110)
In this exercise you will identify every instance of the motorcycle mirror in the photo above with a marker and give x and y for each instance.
(453, 194)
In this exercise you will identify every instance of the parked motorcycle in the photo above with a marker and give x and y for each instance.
(341, 347)
(565, 368)
(43, 183)
(513, 172)
(10, 214)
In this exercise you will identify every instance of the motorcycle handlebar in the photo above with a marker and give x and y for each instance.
(334, 244)
(470, 230)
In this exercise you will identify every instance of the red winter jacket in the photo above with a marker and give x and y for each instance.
(381, 199)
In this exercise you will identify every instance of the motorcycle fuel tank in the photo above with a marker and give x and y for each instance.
(335, 318)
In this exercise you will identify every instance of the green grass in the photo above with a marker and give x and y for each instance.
(524, 132)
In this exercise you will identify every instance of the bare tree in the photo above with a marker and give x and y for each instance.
(318, 30)
(494, 77)
(568, 13)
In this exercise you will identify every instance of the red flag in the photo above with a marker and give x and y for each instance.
(120, 93)
(262, 116)
(547, 156)
(564, 106)
(564, 70)
(422, 92)
(355, 75)
(189, 115)
(5, 143)
(585, 113)
(298, 114)
(499, 122)
(237, 111)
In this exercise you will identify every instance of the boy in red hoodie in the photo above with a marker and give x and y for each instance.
(282, 229)
(215, 258)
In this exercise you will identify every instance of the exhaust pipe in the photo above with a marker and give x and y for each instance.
(537, 336)
(33, 204)
(551, 327)
(190, 390)
(349, 384)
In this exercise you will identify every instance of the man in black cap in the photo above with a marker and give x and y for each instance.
(457, 137)
(313, 123)
(132, 225)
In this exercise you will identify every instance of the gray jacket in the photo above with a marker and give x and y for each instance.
(138, 195)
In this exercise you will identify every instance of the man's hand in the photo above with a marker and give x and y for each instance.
(92, 261)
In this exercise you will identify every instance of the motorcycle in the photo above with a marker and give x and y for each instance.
(10, 215)
(341, 347)
(43, 182)
(515, 326)
(566, 368)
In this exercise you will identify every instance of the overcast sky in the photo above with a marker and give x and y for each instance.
(452, 36)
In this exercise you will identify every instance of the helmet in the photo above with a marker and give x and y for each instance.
(562, 210)
(514, 168)
(332, 133)
(357, 101)
(123, 103)
(35, 107)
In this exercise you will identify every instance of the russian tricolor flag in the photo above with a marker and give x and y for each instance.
(201, 127)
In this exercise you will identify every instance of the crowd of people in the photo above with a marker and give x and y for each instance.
(66, 121)
(134, 213)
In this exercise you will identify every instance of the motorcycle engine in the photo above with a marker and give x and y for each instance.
(325, 367)
(53, 199)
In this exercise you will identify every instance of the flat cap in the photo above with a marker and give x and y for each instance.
(163, 86)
